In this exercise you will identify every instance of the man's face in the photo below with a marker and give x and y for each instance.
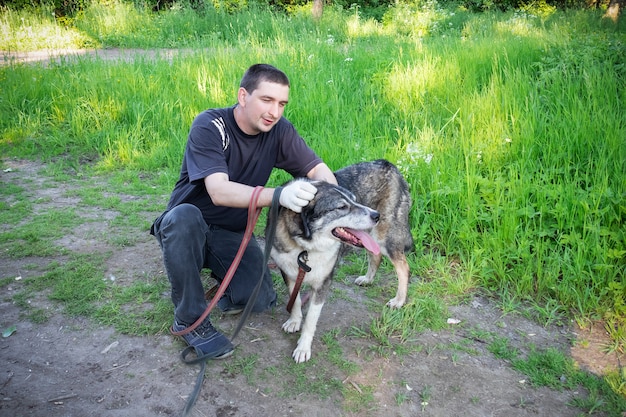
(262, 109)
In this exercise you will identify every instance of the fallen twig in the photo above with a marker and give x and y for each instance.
(8, 379)
(61, 398)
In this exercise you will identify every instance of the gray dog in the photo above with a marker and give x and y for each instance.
(370, 209)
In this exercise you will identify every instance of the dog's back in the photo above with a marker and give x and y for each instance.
(380, 185)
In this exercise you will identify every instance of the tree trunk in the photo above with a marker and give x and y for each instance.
(614, 10)
(318, 9)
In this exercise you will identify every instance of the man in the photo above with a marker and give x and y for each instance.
(229, 152)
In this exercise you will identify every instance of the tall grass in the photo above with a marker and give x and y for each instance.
(510, 128)
(36, 28)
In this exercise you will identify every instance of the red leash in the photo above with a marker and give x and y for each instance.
(253, 216)
(303, 268)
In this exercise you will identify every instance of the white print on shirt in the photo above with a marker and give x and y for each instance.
(221, 126)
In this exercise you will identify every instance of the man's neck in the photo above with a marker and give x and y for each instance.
(239, 119)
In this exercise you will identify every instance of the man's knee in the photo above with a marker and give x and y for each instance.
(184, 219)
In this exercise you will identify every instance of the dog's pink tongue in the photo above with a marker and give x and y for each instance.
(368, 242)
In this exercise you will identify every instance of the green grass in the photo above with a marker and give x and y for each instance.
(335, 353)
(311, 381)
(501, 348)
(78, 284)
(35, 29)
(14, 205)
(33, 237)
(244, 365)
(550, 368)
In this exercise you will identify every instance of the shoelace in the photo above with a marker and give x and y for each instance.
(205, 328)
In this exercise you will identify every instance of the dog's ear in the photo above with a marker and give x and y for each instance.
(305, 214)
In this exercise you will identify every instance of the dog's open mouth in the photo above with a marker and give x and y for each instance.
(357, 238)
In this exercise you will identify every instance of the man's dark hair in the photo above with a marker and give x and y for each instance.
(262, 72)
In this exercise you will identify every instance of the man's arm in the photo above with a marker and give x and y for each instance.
(322, 172)
(224, 192)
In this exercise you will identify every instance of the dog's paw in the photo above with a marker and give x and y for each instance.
(292, 325)
(302, 353)
(362, 280)
(395, 303)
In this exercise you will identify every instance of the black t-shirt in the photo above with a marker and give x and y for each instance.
(216, 144)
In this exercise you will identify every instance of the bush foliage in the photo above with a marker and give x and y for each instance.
(368, 8)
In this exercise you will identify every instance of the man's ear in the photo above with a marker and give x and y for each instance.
(242, 95)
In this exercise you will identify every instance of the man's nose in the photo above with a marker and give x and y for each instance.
(274, 110)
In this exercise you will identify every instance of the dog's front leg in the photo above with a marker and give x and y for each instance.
(302, 353)
(295, 319)
(373, 263)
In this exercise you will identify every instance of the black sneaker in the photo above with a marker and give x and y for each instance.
(213, 344)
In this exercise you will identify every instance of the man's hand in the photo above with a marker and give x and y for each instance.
(297, 195)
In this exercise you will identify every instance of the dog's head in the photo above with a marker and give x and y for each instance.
(335, 214)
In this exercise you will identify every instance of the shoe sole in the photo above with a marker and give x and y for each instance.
(232, 312)
(225, 355)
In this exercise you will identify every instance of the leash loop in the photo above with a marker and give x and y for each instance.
(303, 258)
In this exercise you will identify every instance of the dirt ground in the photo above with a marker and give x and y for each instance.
(70, 366)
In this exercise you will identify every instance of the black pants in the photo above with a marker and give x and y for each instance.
(189, 245)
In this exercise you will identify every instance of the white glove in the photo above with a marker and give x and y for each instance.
(297, 195)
